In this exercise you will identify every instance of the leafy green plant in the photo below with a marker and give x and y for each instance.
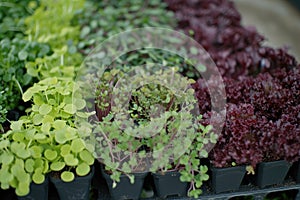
(118, 156)
(14, 54)
(56, 107)
(193, 171)
(51, 23)
(100, 20)
(2, 117)
(47, 139)
(182, 130)
(142, 14)
(156, 129)
(113, 150)
(14, 51)
(12, 15)
(53, 65)
(21, 158)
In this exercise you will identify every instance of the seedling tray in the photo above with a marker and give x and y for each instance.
(245, 190)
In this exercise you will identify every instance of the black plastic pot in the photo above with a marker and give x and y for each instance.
(297, 174)
(77, 189)
(227, 179)
(169, 184)
(8, 194)
(270, 173)
(37, 191)
(296, 3)
(124, 189)
(13, 115)
(294, 172)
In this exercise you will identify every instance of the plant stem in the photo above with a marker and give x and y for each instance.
(18, 84)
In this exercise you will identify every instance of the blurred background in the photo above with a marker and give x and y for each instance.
(277, 20)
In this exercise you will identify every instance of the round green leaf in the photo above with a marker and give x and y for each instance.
(205, 177)
(22, 55)
(23, 153)
(82, 169)
(29, 134)
(29, 165)
(59, 124)
(65, 150)
(67, 176)
(52, 102)
(87, 157)
(50, 155)
(48, 119)
(6, 158)
(57, 166)
(5, 176)
(85, 31)
(22, 176)
(38, 178)
(79, 103)
(31, 70)
(77, 145)
(23, 188)
(194, 50)
(37, 119)
(70, 108)
(38, 100)
(60, 136)
(16, 125)
(38, 170)
(4, 144)
(4, 186)
(46, 127)
(70, 160)
(39, 163)
(18, 137)
(15, 146)
(45, 109)
(46, 166)
(36, 151)
(203, 153)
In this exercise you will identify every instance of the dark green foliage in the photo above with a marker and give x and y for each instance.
(15, 50)
(103, 19)
(12, 14)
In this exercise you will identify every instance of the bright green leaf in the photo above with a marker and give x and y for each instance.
(82, 169)
(77, 145)
(45, 109)
(70, 108)
(67, 176)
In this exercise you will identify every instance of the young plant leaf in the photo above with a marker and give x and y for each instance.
(82, 169)
(22, 188)
(50, 154)
(45, 109)
(77, 145)
(70, 108)
(87, 157)
(57, 166)
(38, 178)
(29, 165)
(67, 176)
(6, 158)
(65, 150)
(70, 160)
